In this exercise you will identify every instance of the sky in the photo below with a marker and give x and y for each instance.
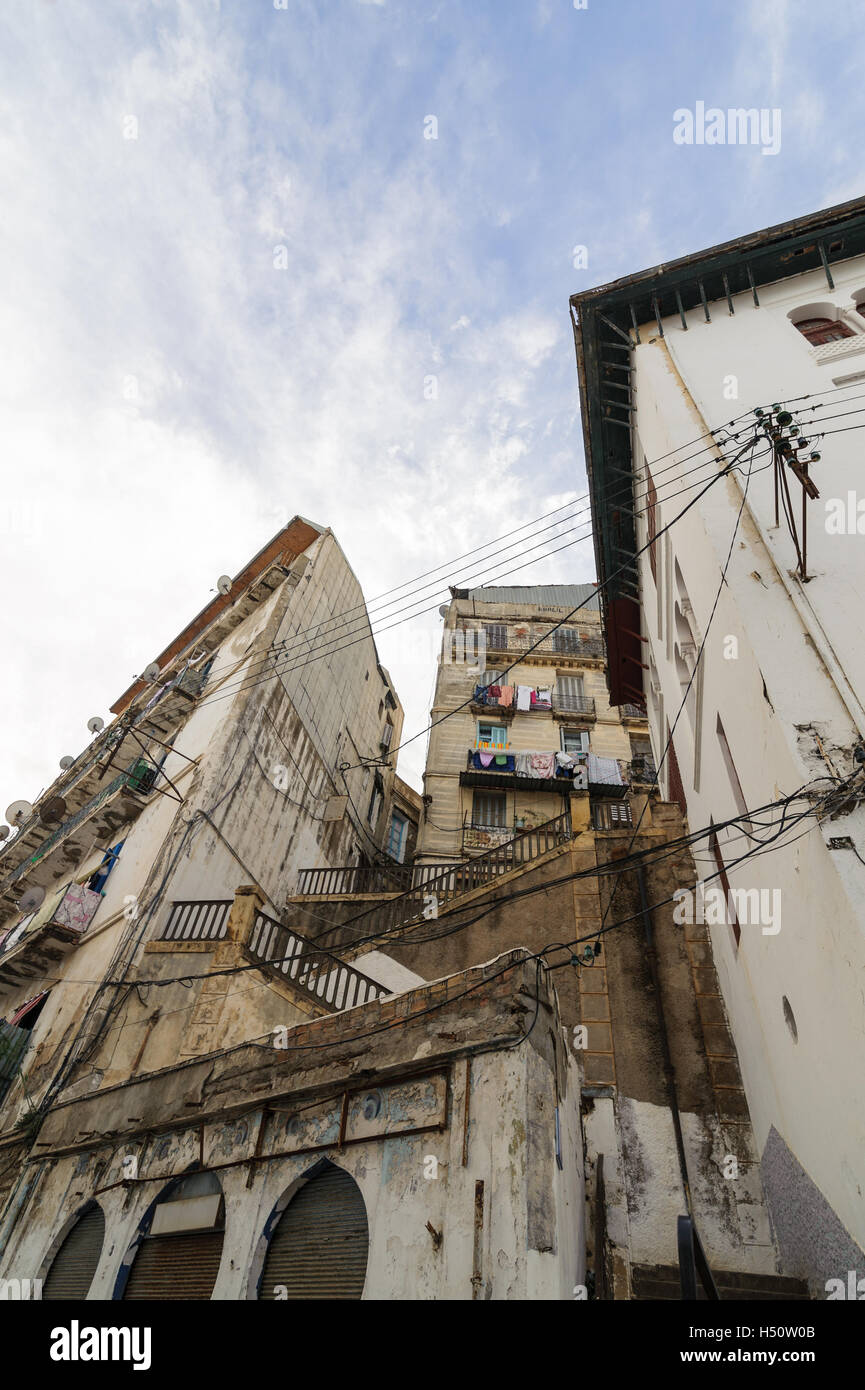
(273, 257)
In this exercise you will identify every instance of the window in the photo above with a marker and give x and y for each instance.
(490, 678)
(570, 694)
(490, 809)
(97, 883)
(497, 636)
(375, 801)
(823, 330)
(397, 836)
(566, 639)
(492, 734)
(725, 885)
(732, 774)
(651, 522)
(575, 741)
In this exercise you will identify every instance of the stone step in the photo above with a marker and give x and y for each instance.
(661, 1282)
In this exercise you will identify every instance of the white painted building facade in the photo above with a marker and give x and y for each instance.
(777, 702)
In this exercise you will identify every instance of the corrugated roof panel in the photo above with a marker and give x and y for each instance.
(539, 595)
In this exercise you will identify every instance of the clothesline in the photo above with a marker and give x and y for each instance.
(542, 764)
(520, 697)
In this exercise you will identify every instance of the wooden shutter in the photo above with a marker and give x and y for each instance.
(321, 1243)
(74, 1265)
(176, 1267)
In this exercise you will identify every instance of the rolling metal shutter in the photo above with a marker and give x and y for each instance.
(321, 1243)
(74, 1265)
(176, 1267)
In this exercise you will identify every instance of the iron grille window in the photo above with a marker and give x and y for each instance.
(490, 809)
(497, 636)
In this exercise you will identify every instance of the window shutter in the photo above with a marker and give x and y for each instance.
(320, 1246)
(176, 1267)
(74, 1265)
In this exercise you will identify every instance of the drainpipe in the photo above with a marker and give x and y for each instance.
(669, 1074)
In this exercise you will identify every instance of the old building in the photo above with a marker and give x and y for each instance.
(725, 383)
(193, 1090)
(542, 834)
(506, 750)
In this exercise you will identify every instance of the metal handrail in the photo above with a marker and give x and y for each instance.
(573, 704)
(463, 877)
(692, 1261)
(325, 977)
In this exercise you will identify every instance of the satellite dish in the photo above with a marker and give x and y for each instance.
(53, 811)
(32, 900)
(223, 584)
(96, 725)
(443, 611)
(151, 672)
(4, 832)
(66, 762)
(19, 812)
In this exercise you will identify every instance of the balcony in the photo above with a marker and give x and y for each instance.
(32, 949)
(629, 711)
(46, 860)
(642, 772)
(582, 705)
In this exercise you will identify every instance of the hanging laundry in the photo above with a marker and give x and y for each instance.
(480, 695)
(505, 761)
(604, 771)
(542, 698)
(506, 696)
(523, 764)
(565, 760)
(543, 764)
(524, 697)
(485, 758)
(494, 693)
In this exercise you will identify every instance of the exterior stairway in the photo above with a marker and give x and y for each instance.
(429, 883)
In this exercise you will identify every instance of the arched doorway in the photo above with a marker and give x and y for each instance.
(320, 1244)
(180, 1243)
(73, 1267)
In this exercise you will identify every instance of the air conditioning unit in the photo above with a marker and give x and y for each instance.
(142, 776)
(386, 736)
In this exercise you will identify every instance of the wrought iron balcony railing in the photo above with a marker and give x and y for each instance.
(574, 704)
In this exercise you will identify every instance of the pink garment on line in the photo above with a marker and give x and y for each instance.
(506, 696)
(543, 764)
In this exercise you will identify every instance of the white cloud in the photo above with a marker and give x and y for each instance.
(171, 397)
